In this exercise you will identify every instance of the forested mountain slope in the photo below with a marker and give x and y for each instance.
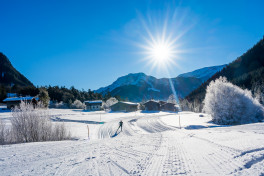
(247, 72)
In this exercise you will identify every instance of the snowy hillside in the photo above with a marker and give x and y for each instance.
(204, 73)
(150, 144)
(139, 86)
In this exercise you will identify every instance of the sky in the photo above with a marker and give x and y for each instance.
(89, 44)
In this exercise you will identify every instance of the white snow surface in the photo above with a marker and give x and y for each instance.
(151, 143)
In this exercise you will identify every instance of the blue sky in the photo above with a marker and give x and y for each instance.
(89, 44)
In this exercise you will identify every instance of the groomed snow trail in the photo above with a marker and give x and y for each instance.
(147, 146)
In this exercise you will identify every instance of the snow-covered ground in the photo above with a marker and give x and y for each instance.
(150, 144)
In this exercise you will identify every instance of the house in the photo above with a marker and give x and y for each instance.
(168, 107)
(162, 102)
(152, 105)
(124, 106)
(15, 101)
(95, 105)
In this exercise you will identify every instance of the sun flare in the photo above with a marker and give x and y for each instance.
(161, 52)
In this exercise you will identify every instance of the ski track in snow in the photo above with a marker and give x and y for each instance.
(147, 146)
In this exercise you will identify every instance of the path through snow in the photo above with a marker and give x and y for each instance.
(150, 144)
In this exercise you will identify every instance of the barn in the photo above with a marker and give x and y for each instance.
(95, 105)
(152, 105)
(125, 106)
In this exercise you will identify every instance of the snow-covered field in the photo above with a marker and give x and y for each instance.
(150, 144)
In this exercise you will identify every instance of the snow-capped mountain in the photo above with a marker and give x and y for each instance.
(139, 86)
(204, 73)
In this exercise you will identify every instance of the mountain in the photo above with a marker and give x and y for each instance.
(137, 87)
(247, 72)
(9, 75)
(204, 73)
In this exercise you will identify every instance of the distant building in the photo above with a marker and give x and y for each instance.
(15, 101)
(95, 105)
(152, 105)
(11, 95)
(124, 106)
(162, 102)
(169, 107)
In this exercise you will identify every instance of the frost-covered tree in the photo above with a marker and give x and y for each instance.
(172, 99)
(77, 104)
(2, 132)
(31, 124)
(111, 101)
(229, 104)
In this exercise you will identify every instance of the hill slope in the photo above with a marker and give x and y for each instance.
(9, 75)
(247, 71)
(204, 73)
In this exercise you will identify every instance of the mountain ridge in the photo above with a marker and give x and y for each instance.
(139, 86)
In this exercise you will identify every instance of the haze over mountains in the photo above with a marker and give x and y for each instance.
(138, 87)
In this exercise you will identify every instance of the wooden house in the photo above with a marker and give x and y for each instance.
(95, 105)
(152, 105)
(125, 106)
(15, 101)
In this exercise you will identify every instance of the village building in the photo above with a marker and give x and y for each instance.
(152, 105)
(162, 102)
(11, 102)
(125, 106)
(169, 107)
(95, 105)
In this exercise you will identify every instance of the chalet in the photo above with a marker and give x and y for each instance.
(162, 102)
(169, 107)
(152, 105)
(95, 105)
(125, 106)
(11, 102)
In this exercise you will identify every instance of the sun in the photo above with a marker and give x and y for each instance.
(160, 52)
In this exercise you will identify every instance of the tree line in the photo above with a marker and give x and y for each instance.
(55, 93)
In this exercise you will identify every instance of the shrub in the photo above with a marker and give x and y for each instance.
(2, 132)
(229, 104)
(30, 124)
(77, 104)
(111, 101)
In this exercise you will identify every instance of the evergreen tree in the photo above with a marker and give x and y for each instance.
(44, 97)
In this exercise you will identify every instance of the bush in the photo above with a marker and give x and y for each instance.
(2, 132)
(111, 101)
(77, 104)
(229, 104)
(30, 124)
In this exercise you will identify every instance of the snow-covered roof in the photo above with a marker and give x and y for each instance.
(130, 103)
(19, 99)
(151, 101)
(93, 102)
